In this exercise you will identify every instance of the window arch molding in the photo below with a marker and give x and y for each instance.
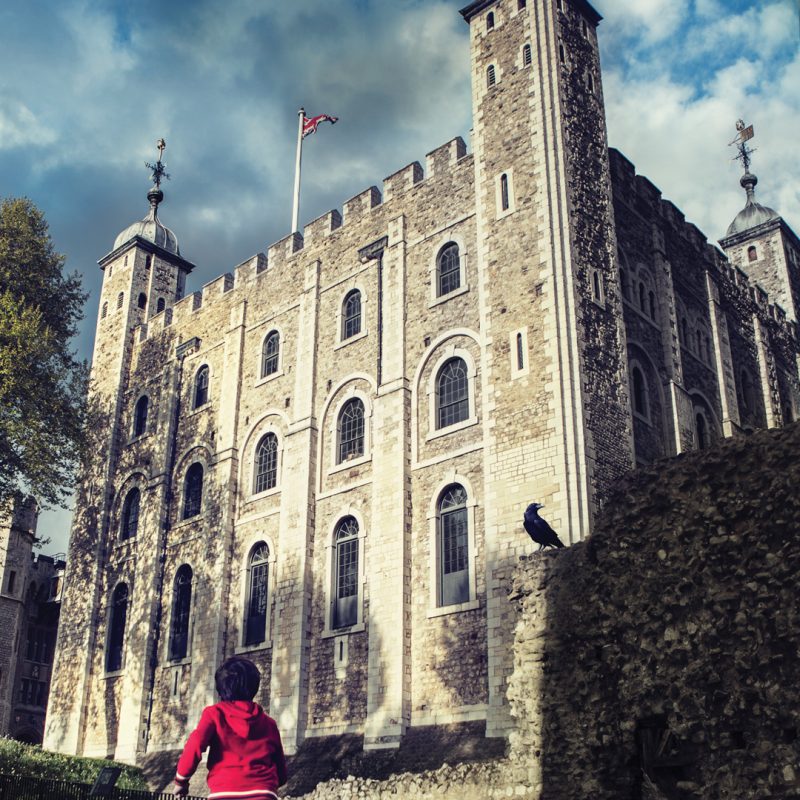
(448, 353)
(180, 625)
(330, 571)
(257, 462)
(337, 398)
(261, 377)
(422, 387)
(433, 267)
(275, 422)
(344, 293)
(196, 453)
(135, 480)
(434, 569)
(201, 398)
(640, 392)
(244, 590)
(117, 624)
(140, 416)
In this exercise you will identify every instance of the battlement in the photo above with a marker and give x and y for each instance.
(321, 227)
(401, 181)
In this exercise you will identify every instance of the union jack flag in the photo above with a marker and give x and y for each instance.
(310, 125)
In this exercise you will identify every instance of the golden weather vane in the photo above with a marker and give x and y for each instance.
(158, 169)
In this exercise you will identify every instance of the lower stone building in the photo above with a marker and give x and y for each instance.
(30, 601)
(322, 459)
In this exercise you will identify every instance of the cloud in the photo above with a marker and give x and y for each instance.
(19, 127)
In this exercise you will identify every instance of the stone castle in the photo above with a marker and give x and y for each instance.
(30, 602)
(321, 460)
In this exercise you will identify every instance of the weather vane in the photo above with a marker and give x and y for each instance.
(744, 135)
(158, 170)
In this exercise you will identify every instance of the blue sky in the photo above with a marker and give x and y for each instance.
(86, 88)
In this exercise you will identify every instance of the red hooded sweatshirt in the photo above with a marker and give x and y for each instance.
(246, 756)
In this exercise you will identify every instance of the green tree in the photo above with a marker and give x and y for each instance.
(42, 384)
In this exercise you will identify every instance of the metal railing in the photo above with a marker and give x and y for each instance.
(16, 788)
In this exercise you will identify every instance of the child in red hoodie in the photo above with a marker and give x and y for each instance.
(246, 756)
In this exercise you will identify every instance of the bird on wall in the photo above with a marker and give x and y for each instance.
(538, 529)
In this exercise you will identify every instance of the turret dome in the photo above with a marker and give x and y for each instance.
(150, 228)
(753, 214)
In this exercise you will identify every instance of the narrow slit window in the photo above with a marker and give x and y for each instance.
(520, 352)
(490, 21)
(526, 55)
(504, 204)
(490, 76)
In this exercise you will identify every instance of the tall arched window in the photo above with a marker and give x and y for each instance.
(129, 524)
(453, 546)
(448, 268)
(140, 416)
(255, 622)
(490, 76)
(652, 301)
(521, 4)
(160, 305)
(752, 253)
(104, 311)
(597, 292)
(490, 21)
(270, 351)
(452, 393)
(642, 306)
(526, 55)
(504, 192)
(201, 387)
(120, 299)
(702, 434)
(266, 464)
(193, 491)
(623, 283)
(115, 649)
(181, 613)
(142, 301)
(639, 392)
(351, 314)
(351, 430)
(345, 595)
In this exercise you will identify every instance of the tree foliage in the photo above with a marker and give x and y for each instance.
(42, 384)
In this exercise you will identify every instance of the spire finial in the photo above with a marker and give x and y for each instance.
(159, 173)
(743, 153)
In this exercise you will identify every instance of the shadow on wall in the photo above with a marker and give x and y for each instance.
(658, 658)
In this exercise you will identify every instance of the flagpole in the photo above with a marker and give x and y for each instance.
(296, 205)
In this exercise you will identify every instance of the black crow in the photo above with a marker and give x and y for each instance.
(538, 529)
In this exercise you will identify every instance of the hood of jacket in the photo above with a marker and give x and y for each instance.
(241, 715)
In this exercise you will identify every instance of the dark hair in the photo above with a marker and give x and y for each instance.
(237, 679)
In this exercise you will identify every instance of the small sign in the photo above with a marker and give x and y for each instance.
(104, 784)
(746, 133)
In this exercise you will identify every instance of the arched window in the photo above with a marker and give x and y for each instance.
(642, 306)
(104, 311)
(526, 55)
(115, 649)
(596, 290)
(255, 621)
(120, 299)
(448, 267)
(161, 304)
(201, 387)
(453, 546)
(752, 253)
(266, 466)
(490, 21)
(504, 192)
(345, 595)
(351, 314)
(702, 435)
(181, 613)
(148, 262)
(140, 416)
(490, 77)
(130, 515)
(193, 491)
(452, 393)
(590, 83)
(270, 351)
(520, 4)
(351, 430)
(142, 301)
(652, 300)
(562, 56)
(639, 392)
(748, 395)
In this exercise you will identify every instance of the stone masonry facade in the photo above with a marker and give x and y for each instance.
(321, 459)
(30, 593)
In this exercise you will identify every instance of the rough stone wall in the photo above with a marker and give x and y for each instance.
(668, 641)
